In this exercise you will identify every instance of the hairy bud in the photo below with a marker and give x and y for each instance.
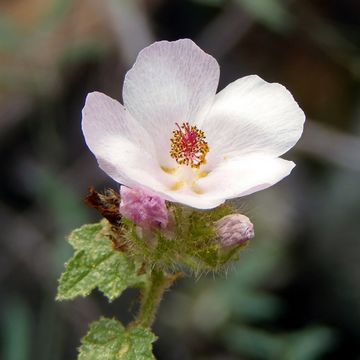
(234, 230)
(144, 208)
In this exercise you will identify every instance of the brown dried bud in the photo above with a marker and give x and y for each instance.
(107, 204)
(234, 230)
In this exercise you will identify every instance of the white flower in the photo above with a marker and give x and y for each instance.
(177, 138)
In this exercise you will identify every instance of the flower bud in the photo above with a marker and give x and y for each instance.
(144, 208)
(234, 230)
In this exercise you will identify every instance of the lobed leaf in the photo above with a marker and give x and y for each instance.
(96, 264)
(107, 339)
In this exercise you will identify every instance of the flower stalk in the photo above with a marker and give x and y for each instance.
(151, 296)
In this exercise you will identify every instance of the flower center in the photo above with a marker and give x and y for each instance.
(188, 145)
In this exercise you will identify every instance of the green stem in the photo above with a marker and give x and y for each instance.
(152, 295)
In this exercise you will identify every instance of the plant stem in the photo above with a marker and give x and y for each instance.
(152, 295)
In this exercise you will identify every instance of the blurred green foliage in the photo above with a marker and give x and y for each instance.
(232, 311)
(16, 330)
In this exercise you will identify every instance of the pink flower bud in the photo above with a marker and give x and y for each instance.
(144, 208)
(234, 230)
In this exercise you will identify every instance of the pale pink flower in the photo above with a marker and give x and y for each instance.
(144, 208)
(176, 136)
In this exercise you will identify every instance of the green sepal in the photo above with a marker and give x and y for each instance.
(191, 242)
(107, 339)
(96, 264)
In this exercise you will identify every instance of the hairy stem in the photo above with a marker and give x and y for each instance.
(152, 295)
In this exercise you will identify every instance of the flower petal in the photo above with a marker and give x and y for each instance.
(253, 116)
(244, 175)
(192, 199)
(236, 177)
(122, 147)
(170, 82)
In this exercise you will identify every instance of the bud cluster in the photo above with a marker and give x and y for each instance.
(168, 235)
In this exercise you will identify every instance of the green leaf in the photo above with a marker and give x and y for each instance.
(85, 236)
(97, 264)
(107, 339)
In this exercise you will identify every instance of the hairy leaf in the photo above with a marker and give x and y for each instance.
(97, 264)
(107, 339)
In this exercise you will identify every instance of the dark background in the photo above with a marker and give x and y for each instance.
(295, 293)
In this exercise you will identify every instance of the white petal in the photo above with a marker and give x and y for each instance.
(237, 177)
(122, 147)
(192, 199)
(170, 82)
(244, 175)
(253, 116)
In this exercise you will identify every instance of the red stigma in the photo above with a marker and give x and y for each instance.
(188, 145)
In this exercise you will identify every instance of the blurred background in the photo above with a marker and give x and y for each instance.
(295, 294)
